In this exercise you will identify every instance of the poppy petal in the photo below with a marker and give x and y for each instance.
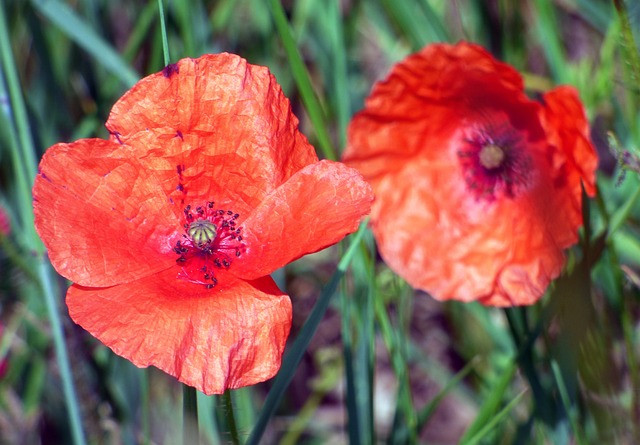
(314, 209)
(104, 218)
(567, 128)
(213, 339)
(445, 242)
(224, 123)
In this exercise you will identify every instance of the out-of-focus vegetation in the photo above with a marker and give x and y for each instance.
(387, 364)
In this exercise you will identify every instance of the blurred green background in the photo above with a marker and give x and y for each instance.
(387, 364)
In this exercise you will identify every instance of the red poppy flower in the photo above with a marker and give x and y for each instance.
(170, 228)
(478, 188)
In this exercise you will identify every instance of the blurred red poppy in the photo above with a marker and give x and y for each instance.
(170, 228)
(478, 188)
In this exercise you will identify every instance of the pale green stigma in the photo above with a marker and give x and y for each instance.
(491, 156)
(202, 231)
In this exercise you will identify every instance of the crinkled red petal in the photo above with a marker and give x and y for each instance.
(315, 208)
(225, 124)
(103, 215)
(567, 127)
(227, 337)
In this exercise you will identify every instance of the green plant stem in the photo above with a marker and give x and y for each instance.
(163, 29)
(189, 411)
(230, 417)
(299, 346)
(524, 344)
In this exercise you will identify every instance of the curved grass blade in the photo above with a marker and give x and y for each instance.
(487, 415)
(77, 30)
(495, 420)
(303, 80)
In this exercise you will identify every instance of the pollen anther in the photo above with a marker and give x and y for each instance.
(210, 241)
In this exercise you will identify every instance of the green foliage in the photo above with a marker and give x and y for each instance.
(398, 367)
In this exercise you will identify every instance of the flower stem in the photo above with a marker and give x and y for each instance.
(189, 412)
(163, 29)
(230, 417)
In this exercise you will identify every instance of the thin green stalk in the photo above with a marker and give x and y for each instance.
(230, 417)
(163, 30)
(61, 354)
(303, 80)
(293, 357)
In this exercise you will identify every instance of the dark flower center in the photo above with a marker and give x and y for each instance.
(495, 163)
(211, 241)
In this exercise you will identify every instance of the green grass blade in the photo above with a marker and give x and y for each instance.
(140, 31)
(335, 33)
(293, 357)
(487, 414)
(77, 30)
(62, 357)
(425, 413)
(163, 31)
(207, 427)
(492, 422)
(622, 213)
(22, 150)
(549, 38)
(566, 402)
(364, 366)
(420, 23)
(303, 80)
(230, 417)
(353, 420)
